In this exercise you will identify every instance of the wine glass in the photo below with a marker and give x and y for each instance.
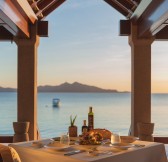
(64, 139)
(115, 138)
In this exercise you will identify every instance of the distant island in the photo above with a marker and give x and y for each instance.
(2, 89)
(67, 87)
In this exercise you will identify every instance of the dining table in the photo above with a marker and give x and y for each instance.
(138, 151)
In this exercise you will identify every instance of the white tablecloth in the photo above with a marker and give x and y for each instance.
(152, 152)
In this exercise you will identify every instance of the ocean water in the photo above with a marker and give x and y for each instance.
(111, 110)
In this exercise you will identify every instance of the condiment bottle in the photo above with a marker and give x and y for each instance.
(90, 119)
(84, 127)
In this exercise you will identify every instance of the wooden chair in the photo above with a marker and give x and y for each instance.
(8, 154)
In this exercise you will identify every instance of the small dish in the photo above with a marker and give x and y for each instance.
(57, 144)
(37, 145)
(128, 139)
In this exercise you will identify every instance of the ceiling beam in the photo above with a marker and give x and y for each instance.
(162, 35)
(8, 23)
(42, 4)
(51, 8)
(120, 9)
(150, 17)
(26, 10)
(46, 6)
(16, 16)
(5, 35)
(143, 5)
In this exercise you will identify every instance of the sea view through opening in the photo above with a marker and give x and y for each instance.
(112, 111)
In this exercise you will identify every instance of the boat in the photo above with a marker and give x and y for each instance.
(56, 102)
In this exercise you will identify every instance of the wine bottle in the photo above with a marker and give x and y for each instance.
(90, 119)
(84, 127)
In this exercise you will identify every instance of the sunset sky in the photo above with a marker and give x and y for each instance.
(84, 46)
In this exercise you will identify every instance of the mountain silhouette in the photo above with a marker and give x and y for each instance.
(67, 87)
(2, 89)
(74, 87)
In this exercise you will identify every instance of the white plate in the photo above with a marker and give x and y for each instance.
(123, 145)
(57, 146)
(85, 147)
(128, 139)
(37, 145)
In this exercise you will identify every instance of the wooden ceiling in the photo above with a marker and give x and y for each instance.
(43, 8)
(125, 7)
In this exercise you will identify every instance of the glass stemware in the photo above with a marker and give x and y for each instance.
(65, 139)
(115, 138)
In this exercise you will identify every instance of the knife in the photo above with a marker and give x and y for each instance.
(74, 152)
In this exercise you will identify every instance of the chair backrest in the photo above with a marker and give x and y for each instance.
(8, 154)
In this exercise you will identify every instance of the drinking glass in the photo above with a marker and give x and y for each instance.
(115, 138)
(64, 139)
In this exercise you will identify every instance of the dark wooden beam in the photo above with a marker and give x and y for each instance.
(123, 11)
(161, 139)
(127, 4)
(43, 3)
(125, 28)
(143, 5)
(162, 35)
(55, 5)
(15, 22)
(150, 17)
(25, 9)
(6, 138)
(5, 35)
(42, 28)
(17, 15)
(8, 24)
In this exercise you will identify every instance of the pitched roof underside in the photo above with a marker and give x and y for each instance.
(125, 7)
(43, 8)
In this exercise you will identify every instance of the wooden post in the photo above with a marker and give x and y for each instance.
(140, 79)
(27, 80)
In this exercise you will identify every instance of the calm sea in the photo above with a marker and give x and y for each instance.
(112, 111)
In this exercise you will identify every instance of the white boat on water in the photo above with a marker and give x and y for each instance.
(56, 102)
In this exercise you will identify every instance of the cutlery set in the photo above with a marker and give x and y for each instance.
(74, 152)
(95, 153)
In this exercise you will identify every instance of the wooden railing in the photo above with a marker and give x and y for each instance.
(6, 138)
(9, 139)
(161, 139)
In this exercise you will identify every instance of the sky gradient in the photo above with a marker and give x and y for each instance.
(84, 46)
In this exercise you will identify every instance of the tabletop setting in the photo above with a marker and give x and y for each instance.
(93, 144)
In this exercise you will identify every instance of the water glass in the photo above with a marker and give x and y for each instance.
(115, 138)
(65, 139)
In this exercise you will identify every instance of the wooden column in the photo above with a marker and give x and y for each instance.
(27, 80)
(140, 79)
